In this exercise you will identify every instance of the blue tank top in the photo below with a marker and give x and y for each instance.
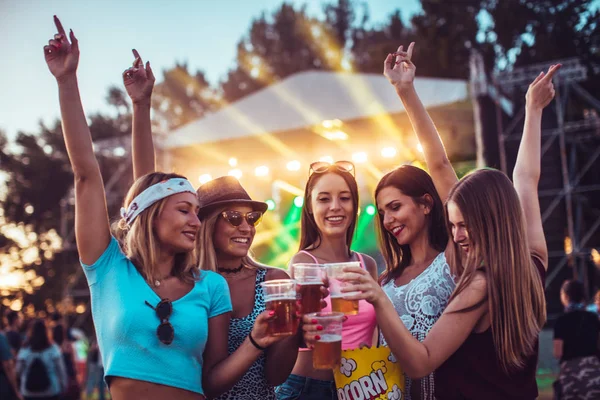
(253, 385)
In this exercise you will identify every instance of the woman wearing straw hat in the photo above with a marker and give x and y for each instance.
(160, 322)
(228, 225)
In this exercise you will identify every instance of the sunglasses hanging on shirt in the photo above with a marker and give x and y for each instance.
(165, 331)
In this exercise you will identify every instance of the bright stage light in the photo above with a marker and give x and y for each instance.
(359, 157)
(204, 178)
(298, 201)
(263, 170)
(236, 173)
(293, 165)
(233, 162)
(370, 209)
(419, 147)
(327, 159)
(270, 204)
(388, 152)
(335, 135)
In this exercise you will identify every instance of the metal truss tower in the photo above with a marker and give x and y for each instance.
(569, 189)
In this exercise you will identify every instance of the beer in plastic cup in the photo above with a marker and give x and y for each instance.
(338, 301)
(280, 296)
(327, 351)
(309, 278)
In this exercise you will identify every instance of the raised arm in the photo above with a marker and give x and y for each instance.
(400, 71)
(91, 216)
(139, 82)
(526, 174)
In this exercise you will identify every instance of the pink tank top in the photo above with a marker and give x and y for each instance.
(358, 329)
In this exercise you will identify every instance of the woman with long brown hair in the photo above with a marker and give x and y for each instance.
(485, 343)
(327, 227)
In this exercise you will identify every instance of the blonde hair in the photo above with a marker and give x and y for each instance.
(498, 246)
(139, 241)
(207, 255)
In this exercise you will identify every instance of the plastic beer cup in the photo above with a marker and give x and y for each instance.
(327, 351)
(338, 301)
(309, 278)
(280, 296)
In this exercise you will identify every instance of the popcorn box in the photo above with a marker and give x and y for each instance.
(369, 373)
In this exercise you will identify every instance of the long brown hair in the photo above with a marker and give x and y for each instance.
(38, 338)
(415, 183)
(309, 232)
(207, 255)
(498, 246)
(139, 241)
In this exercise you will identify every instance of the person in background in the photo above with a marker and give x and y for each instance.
(8, 375)
(41, 366)
(94, 372)
(61, 339)
(576, 339)
(13, 330)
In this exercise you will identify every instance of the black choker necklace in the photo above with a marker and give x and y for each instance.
(230, 271)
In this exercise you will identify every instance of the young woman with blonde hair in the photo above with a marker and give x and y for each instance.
(161, 323)
(228, 220)
(485, 343)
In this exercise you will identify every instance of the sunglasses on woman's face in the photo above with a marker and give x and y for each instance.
(236, 218)
(165, 331)
(321, 167)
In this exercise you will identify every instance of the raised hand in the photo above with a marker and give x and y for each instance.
(541, 90)
(399, 69)
(139, 80)
(61, 56)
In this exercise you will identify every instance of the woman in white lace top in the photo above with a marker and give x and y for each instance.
(413, 239)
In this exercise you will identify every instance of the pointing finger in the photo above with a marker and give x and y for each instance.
(409, 52)
(59, 26)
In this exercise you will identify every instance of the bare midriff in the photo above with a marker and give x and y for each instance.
(304, 367)
(133, 389)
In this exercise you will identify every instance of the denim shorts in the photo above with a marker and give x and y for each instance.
(298, 387)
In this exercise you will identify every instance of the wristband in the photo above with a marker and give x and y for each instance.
(254, 342)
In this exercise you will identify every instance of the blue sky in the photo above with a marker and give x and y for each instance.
(202, 32)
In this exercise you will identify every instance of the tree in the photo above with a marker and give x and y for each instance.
(445, 36)
(182, 97)
(36, 213)
(274, 49)
(371, 46)
(544, 30)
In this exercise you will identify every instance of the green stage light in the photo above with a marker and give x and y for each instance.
(371, 210)
(270, 204)
(298, 201)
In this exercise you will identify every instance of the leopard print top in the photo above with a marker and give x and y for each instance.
(253, 384)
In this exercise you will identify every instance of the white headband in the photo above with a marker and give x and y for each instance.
(153, 194)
